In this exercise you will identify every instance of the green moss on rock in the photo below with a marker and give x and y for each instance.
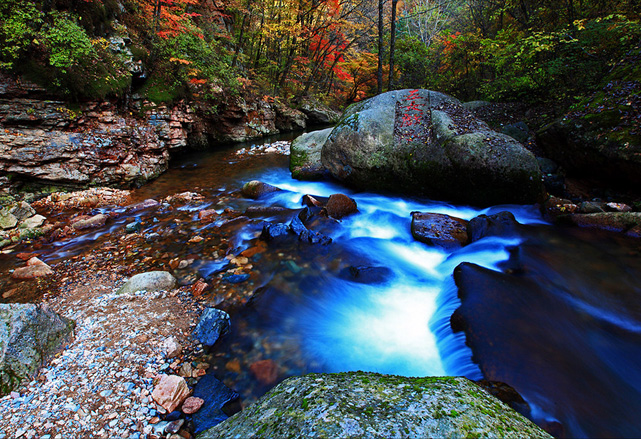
(359, 404)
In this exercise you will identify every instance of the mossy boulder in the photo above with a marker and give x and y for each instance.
(28, 335)
(592, 146)
(305, 155)
(358, 404)
(427, 143)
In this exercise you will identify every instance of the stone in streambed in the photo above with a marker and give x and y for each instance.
(439, 230)
(256, 189)
(273, 231)
(91, 223)
(213, 324)
(340, 205)
(35, 268)
(171, 347)
(7, 220)
(32, 222)
(151, 281)
(28, 335)
(170, 392)
(357, 404)
(501, 224)
(22, 211)
(215, 395)
(367, 275)
(192, 405)
(265, 371)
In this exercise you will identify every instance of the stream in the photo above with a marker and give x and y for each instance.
(564, 330)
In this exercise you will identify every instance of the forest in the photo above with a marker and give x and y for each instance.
(340, 51)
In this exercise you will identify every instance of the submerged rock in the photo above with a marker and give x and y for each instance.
(213, 324)
(426, 143)
(305, 155)
(358, 404)
(439, 230)
(151, 281)
(35, 268)
(214, 395)
(256, 189)
(28, 335)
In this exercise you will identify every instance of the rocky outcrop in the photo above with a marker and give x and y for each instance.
(305, 155)
(358, 404)
(424, 142)
(28, 335)
(48, 140)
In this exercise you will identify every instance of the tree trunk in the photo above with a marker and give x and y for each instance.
(392, 43)
(380, 48)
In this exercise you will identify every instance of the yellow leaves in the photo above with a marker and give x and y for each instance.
(580, 24)
(180, 61)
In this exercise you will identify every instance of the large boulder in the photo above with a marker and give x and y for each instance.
(28, 335)
(305, 155)
(358, 404)
(424, 142)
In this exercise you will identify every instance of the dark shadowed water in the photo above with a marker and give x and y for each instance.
(563, 329)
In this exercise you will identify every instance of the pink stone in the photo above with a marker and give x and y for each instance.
(192, 405)
(170, 392)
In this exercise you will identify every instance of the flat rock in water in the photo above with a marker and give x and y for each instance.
(213, 324)
(151, 281)
(439, 230)
(35, 268)
(28, 335)
(611, 221)
(91, 223)
(357, 404)
(256, 189)
(192, 405)
(215, 395)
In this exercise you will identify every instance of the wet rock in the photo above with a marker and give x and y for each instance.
(171, 347)
(146, 204)
(618, 207)
(91, 223)
(591, 207)
(192, 405)
(555, 206)
(236, 278)
(500, 224)
(273, 231)
(339, 206)
(506, 394)
(33, 222)
(134, 227)
(174, 426)
(215, 395)
(367, 275)
(621, 222)
(199, 288)
(87, 199)
(22, 211)
(356, 404)
(305, 156)
(170, 392)
(28, 335)
(214, 323)
(208, 214)
(7, 220)
(439, 230)
(151, 281)
(314, 201)
(256, 189)
(35, 268)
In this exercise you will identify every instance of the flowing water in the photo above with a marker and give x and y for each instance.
(377, 300)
